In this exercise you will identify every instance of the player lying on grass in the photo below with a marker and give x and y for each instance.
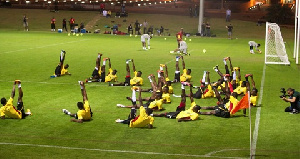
(8, 110)
(253, 91)
(155, 104)
(112, 74)
(137, 80)
(186, 75)
(145, 118)
(166, 78)
(254, 44)
(182, 48)
(100, 76)
(205, 90)
(61, 69)
(84, 113)
(96, 75)
(181, 114)
(143, 40)
(224, 106)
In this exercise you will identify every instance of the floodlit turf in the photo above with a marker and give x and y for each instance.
(32, 57)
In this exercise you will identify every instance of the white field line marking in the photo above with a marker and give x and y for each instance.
(213, 152)
(117, 151)
(94, 83)
(39, 47)
(257, 120)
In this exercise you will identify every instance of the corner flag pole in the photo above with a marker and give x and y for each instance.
(250, 125)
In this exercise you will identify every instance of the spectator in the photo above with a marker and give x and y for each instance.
(203, 29)
(228, 15)
(72, 23)
(161, 30)
(25, 22)
(137, 27)
(53, 20)
(207, 29)
(130, 29)
(65, 24)
(145, 25)
(229, 29)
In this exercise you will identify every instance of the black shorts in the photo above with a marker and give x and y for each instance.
(198, 94)
(57, 71)
(21, 109)
(95, 74)
(221, 111)
(172, 115)
(127, 80)
(102, 77)
(76, 116)
(251, 47)
(177, 77)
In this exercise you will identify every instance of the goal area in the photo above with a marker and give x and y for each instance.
(275, 52)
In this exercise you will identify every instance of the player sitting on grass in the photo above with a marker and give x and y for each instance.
(96, 75)
(143, 40)
(84, 113)
(182, 48)
(145, 118)
(181, 114)
(137, 80)
(254, 44)
(61, 69)
(8, 110)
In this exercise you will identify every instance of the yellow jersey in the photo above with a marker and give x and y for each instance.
(136, 80)
(185, 77)
(110, 77)
(209, 92)
(86, 113)
(166, 97)
(156, 103)
(253, 100)
(142, 120)
(10, 111)
(189, 114)
(63, 71)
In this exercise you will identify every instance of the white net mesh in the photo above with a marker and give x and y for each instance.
(275, 52)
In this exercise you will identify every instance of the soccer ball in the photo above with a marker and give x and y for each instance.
(165, 38)
(135, 36)
(130, 35)
(69, 34)
(204, 51)
(190, 40)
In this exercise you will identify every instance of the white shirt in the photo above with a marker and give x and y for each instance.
(144, 37)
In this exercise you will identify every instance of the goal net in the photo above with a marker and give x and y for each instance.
(275, 52)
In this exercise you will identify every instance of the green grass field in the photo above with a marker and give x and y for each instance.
(32, 57)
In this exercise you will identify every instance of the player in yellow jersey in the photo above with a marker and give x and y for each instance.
(181, 114)
(223, 105)
(84, 113)
(186, 75)
(137, 80)
(167, 80)
(61, 69)
(8, 110)
(145, 118)
(96, 75)
(253, 92)
(112, 74)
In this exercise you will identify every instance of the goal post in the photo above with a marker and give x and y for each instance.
(275, 52)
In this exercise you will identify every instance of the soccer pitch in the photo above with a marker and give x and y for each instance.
(32, 57)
